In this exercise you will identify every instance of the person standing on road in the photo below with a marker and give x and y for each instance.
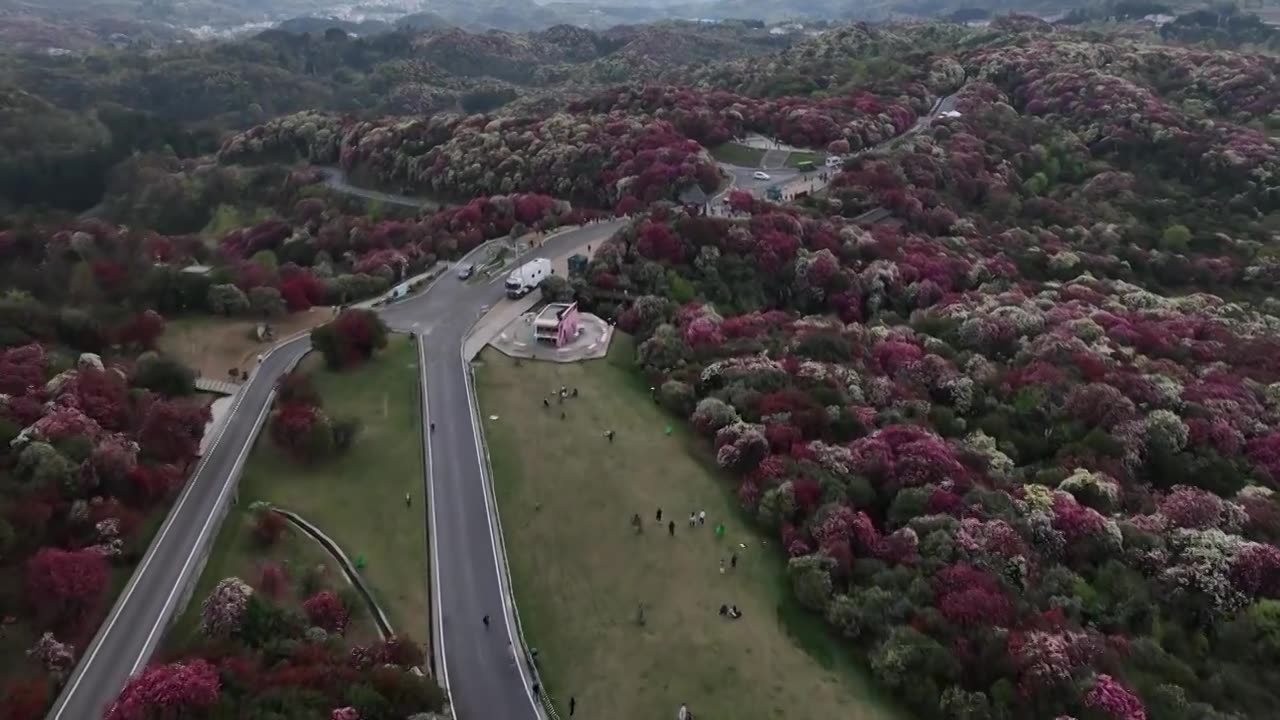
(659, 518)
(671, 528)
(693, 519)
(733, 561)
(684, 712)
(702, 517)
(408, 500)
(573, 705)
(485, 620)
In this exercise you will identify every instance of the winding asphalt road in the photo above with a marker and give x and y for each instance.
(486, 680)
(130, 634)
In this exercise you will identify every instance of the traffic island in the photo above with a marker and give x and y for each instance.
(556, 333)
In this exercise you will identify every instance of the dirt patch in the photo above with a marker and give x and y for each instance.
(213, 345)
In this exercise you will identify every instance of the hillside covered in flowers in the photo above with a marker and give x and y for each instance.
(1019, 438)
(1020, 441)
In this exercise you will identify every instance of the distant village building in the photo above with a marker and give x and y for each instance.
(557, 324)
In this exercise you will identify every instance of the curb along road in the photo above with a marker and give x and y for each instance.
(132, 630)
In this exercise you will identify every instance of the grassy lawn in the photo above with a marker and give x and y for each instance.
(736, 154)
(817, 158)
(236, 555)
(213, 345)
(356, 499)
(567, 496)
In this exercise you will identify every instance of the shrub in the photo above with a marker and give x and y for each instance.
(350, 339)
(268, 526)
(223, 610)
(326, 610)
(66, 587)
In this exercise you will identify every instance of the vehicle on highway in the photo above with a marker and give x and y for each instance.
(760, 175)
(525, 278)
(466, 271)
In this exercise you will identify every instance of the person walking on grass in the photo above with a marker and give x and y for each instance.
(609, 434)
(408, 500)
(684, 712)
(733, 561)
(702, 517)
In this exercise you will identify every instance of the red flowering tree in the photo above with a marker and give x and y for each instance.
(350, 339)
(65, 587)
(167, 691)
(27, 699)
(142, 330)
(301, 291)
(272, 580)
(171, 430)
(325, 610)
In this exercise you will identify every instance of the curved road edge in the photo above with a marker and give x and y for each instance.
(542, 705)
(204, 499)
(439, 663)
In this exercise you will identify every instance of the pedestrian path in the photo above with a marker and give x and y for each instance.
(775, 159)
(221, 387)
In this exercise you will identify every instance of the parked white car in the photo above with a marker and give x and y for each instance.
(760, 175)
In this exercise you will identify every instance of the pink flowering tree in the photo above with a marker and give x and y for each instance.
(223, 609)
(57, 657)
(1113, 699)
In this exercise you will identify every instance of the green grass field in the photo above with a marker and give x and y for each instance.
(235, 554)
(817, 158)
(567, 495)
(356, 499)
(736, 154)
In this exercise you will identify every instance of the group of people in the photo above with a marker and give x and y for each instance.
(730, 611)
(560, 398)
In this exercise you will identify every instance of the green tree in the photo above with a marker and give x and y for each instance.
(663, 352)
(915, 664)
(266, 260)
(40, 465)
(811, 580)
(1175, 239)
(267, 302)
(227, 300)
(555, 288)
(164, 375)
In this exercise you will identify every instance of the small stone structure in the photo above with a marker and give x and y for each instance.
(588, 339)
(557, 324)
